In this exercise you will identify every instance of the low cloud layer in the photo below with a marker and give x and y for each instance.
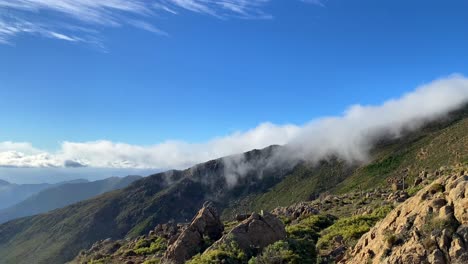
(79, 20)
(349, 136)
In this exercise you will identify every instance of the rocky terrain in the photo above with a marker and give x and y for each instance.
(176, 244)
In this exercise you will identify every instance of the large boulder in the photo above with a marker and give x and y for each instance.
(190, 241)
(254, 233)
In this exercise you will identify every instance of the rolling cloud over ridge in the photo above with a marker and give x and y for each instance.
(349, 136)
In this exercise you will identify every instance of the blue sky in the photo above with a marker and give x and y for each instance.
(207, 72)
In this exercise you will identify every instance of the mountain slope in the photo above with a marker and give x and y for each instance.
(58, 236)
(63, 195)
(11, 194)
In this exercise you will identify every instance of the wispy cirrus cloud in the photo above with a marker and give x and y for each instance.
(77, 20)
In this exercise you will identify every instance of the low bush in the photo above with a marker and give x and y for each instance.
(226, 253)
(146, 247)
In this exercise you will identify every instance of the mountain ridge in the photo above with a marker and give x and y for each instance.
(63, 195)
(12, 193)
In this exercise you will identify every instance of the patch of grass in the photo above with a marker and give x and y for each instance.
(146, 247)
(413, 190)
(351, 228)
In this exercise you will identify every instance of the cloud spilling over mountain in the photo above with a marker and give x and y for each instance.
(349, 136)
(352, 135)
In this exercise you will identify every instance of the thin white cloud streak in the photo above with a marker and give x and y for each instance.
(349, 136)
(56, 18)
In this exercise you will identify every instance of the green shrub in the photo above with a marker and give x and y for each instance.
(309, 227)
(318, 222)
(277, 253)
(300, 231)
(292, 251)
(382, 211)
(146, 247)
(225, 253)
(305, 249)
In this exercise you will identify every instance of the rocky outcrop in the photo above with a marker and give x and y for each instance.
(431, 227)
(254, 233)
(296, 210)
(191, 240)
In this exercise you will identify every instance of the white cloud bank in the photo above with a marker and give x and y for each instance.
(349, 136)
(78, 20)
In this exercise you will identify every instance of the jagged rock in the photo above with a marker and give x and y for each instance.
(446, 211)
(431, 227)
(189, 242)
(338, 253)
(417, 181)
(254, 233)
(397, 186)
(436, 257)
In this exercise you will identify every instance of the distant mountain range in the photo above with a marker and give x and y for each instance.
(11, 194)
(62, 195)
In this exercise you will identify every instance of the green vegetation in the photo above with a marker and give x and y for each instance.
(351, 228)
(227, 253)
(309, 227)
(147, 247)
(413, 190)
(278, 253)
